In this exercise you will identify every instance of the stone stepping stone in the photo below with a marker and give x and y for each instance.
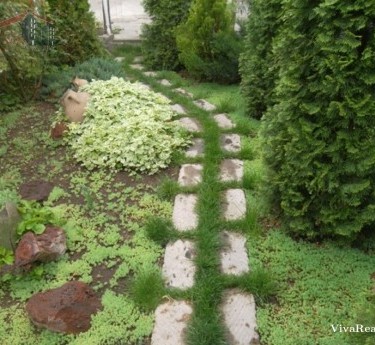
(233, 256)
(231, 170)
(196, 149)
(190, 175)
(203, 104)
(179, 109)
(138, 59)
(230, 142)
(150, 74)
(223, 121)
(137, 66)
(165, 82)
(171, 320)
(119, 58)
(184, 216)
(192, 125)
(234, 205)
(240, 318)
(184, 92)
(179, 268)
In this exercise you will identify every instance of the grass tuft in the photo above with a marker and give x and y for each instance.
(167, 189)
(159, 230)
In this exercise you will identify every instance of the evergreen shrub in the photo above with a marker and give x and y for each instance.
(319, 134)
(208, 45)
(258, 65)
(159, 38)
(76, 38)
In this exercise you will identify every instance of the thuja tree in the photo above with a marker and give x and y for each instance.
(76, 38)
(319, 136)
(159, 37)
(209, 48)
(258, 66)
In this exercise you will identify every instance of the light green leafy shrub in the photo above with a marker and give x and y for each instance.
(126, 127)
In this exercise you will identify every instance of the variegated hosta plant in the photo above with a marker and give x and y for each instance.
(126, 127)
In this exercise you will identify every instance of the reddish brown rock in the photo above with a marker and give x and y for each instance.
(67, 309)
(36, 190)
(45, 247)
(58, 131)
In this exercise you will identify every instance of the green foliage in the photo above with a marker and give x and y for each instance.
(6, 256)
(76, 39)
(159, 230)
(147, 288)
(318, 135)
(57, 81)
(126, 127)
(258, 65)
(35, 217)
(208, 46)
(159, 41)
(317, 285)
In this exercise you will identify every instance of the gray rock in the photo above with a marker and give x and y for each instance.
(150, 74)
(179, 109)
(165, 82)
(192, 125)
(231, 170)
(223, 121)
(184, 92)
(190, 175)
(234, 205)
(137, 66)
(203, 104)
(230, 142)
(196, 149)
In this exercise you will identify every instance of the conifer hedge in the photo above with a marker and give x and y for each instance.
(258, 65)
(319, 133)
(159, 37)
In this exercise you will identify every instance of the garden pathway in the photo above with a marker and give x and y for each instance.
(237, 308)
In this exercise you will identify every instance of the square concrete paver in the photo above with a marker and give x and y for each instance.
(196, 149)
(184, 92)
(234, 204)
(190, 175)
(231, 170)
(240, 318)
(223, 121)
(137, 66)
(233, 256)
(178, 108)
(165, 82)
(192, 125)
(203, 104)
(184, 215)
(178, 267)
(230, 142)
(171, 320)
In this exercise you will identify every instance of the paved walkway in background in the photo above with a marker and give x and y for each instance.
(128, 16)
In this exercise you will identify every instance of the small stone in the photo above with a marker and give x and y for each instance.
(240, 318)
(230, 142)
(196, 149)
(9, 219)
(150, 74)
(190, 175)
(171, 320)
(223, 121)
(178, 268)
(137, 66)
(46, 247)
(190, 124)
(138, 59)
(165, 82)
(184, 92)
(184, 216)
(233, 256)
(58, 131)
(179, 109)
(231, 170)
(203, 104)
(36, 190)
(67, 309)
(234, 204)
(119, 58)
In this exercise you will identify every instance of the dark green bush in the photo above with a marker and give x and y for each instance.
(56, 82)
(258, 66)
(76, 38)
(319, 135)
(159, 40)
(209, 48)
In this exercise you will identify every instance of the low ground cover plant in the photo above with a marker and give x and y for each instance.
(126, 126)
